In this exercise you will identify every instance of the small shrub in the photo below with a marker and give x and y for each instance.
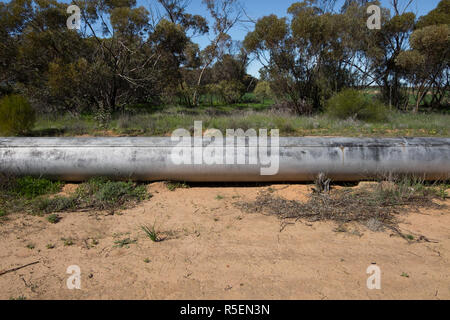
(100, 193)
(56, 204)
(112, 192)
(263, 91)
(26, 194)
(53, 218)
(230, 91)
(173, 185)
(351, 103)
(442, 192)
(17, 117)
(402, 190)
(97, 193)
(30, 187)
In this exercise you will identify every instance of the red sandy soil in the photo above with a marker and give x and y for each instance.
(213, 250)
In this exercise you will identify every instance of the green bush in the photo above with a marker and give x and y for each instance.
(30, 187)
(351, 103)
(97, 193)
(53, 218)
(57, 204)
(112, 192)
(263, 91)
(230, 91)
(101, 193)
(17, 117)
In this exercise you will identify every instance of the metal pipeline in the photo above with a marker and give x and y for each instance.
(300, 159)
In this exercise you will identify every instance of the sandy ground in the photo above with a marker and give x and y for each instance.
(213, 250)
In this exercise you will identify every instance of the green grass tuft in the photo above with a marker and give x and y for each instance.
(124, 243)
(53, 218)
(151, 233)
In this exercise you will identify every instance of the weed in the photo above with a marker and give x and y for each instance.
(151, 233)
(341, 228)
(30, 187)
(30, 246)
(57, 204)
(219, 197)
(67, 242)
(173, 185)
(442, 192)
(50, 246)
(102, 194)
(147, 260)
(97, 193)
(112, 193)
(124, 243)
(405, 275)
(53, 218)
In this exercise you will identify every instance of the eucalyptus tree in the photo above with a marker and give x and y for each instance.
(427, 62)
(302, 54)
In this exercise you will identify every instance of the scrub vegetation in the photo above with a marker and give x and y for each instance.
(376, 205)
(37, 196)
(324, 72)
(163, 122)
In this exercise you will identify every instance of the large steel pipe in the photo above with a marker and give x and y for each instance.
(149, 159)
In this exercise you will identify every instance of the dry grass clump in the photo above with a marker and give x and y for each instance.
(376, 206)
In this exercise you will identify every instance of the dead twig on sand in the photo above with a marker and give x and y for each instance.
(18, 268)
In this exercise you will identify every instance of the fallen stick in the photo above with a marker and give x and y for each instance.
(18, 268)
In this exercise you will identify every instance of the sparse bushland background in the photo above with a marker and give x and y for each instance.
(130, 70)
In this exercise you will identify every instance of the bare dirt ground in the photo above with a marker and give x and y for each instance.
(213, 250)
